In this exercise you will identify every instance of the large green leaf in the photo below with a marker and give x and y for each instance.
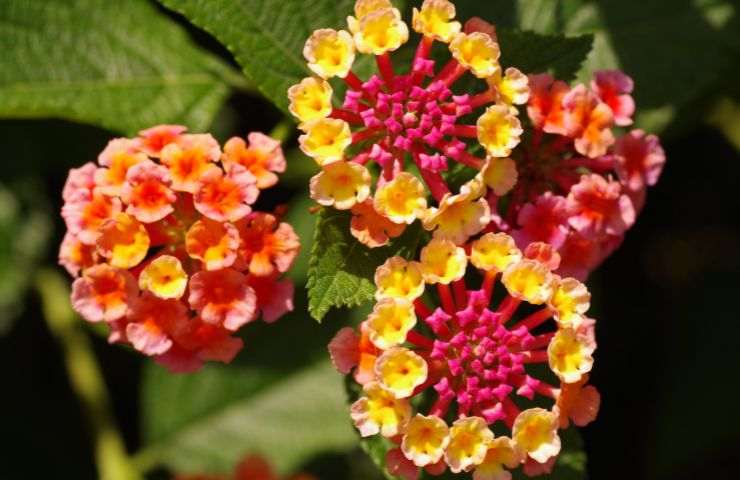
(267, 36)
(341, 269)
(122, 65)
(534, 53)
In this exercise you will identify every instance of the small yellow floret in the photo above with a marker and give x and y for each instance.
(390, 322)
(425, 440)
(164, 277)
(500, 174)
(499, 130)
(469, 441)
(512, 88)
(477, 52)
(570, 300)
(330, 53)
(494, 252)
(435, 20)
(442, 261)
(310, 99)
(124, 241)
(535, 431)
(458, 217)
(380, 32)
(402, 200)
(399, 278)
(378, 411)
(529, 280)
(570, 355)
(400, 371)
(325, 140)
(341, 184)
(502, 452)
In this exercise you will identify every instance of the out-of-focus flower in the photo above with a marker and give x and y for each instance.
(166, 248)
(250, 467)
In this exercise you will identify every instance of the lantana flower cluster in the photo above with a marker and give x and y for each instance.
(558, 175)
(580, 186)
(444, 366)
(395, 124)
(166, 249)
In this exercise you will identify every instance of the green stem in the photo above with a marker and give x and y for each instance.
(85, 377)
(283, 130)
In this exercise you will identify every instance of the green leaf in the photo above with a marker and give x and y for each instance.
(341, 269)
(267, 37)
(288, 420)
(535, 53)
(120, 65)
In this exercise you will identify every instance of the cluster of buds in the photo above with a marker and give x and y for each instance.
(394, 124)
(251, 467)
(474, 359)
(555, 175)
(165, 246)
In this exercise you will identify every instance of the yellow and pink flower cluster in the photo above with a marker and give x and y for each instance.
(166, 248)
(396, 124)
(560, 174)
(512, 356)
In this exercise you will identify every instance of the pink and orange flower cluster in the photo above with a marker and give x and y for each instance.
(166, 248)
(560, 174)
(474, 358)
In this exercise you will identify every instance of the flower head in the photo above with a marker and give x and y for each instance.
(398, 278)
(372, 228)
(164, 277)
(469, 441)
(392, 118)
(614, 88)
(535, 431)
(499, 130)
(226, 196)
(443, 262)
(341, 184)
(379, 411)
(330, 53)
(436, 20)
(147, 192)
(165, 247)
(116, 159)
(477, 52)
(266, 245)
(152, 140)
(425, 440)
(639, 159)
(123, 241)
(188, 158)
(310, 99)
(402, 200)
(222, 297)
(103, 293)
(213, 243)
(468, 365)
(262, 157)
(597, 207)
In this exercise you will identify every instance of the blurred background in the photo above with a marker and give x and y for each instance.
(667, 327)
